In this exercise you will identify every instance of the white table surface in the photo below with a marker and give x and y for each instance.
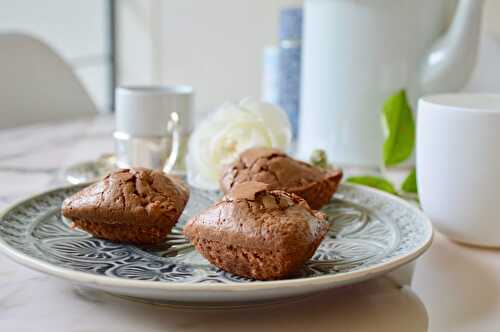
(455, 288)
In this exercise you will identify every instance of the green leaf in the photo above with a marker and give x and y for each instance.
(399, 128)
(410, 183)
(374, 182)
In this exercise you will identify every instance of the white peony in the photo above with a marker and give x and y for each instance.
(230, 130)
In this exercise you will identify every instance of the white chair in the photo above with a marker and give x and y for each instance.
(36, 85)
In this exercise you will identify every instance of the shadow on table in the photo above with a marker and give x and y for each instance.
(457, 288)
(375, 305)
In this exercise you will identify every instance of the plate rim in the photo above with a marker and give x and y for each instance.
(316, 281)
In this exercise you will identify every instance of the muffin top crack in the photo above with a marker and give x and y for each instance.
(129, 196)
(253, 216)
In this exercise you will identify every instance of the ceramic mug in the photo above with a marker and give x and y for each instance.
(148, 130)
(458, 165)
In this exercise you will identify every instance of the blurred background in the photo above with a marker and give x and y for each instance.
(215, 46)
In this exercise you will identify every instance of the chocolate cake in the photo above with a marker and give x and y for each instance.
(316, 185)
(258, 233)
(130, 205)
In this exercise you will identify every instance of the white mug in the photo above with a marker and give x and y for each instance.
(148, 123)
(458, 165)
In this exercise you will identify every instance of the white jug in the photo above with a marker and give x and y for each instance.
(357, 53)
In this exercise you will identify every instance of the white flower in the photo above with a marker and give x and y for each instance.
(230, 130)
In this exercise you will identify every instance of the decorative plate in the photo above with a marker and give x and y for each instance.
(372, 233)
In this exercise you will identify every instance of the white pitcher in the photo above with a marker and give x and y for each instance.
(357, 53)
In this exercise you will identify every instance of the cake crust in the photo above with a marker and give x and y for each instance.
(257, 232)
(275, 168)
(129, 205)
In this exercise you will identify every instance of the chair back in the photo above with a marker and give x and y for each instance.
(37, 85)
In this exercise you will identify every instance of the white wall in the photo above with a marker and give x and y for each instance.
(77, 30)
(492, 17)
(216, 46)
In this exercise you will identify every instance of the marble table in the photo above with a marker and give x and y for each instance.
(454, 287)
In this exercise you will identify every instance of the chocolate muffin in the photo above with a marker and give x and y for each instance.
(130, 205)
(316, 185)
(258, 233)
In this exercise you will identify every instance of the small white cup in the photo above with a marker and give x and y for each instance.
(458, 165)
(149, 120)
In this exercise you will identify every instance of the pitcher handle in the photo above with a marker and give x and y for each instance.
(449, 63)
(173, 130)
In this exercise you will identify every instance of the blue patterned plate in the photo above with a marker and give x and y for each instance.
(372, 233)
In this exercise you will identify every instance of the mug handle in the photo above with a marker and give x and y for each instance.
(173, 130)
